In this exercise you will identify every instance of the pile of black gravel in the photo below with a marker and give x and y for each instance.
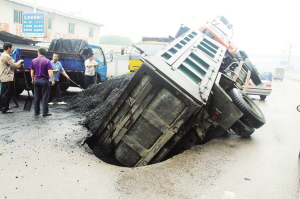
(96, 101)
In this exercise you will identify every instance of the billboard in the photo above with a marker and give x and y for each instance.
(35, 25)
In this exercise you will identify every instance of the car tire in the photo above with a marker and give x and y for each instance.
(252, 115)
(254, 74)
(242, 129)
(263, 97)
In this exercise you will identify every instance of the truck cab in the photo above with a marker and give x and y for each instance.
(221, 31)
(99, 58)
(143, 47)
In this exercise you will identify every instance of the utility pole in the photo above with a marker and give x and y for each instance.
(283, 62)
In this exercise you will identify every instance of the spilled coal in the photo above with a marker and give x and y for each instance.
(96, 101)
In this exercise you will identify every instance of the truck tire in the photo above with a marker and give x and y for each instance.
(252, 115)
(242, 129)
(263, 97)
(254, 74)
(18, 91)
(64, 85)
(243, 54)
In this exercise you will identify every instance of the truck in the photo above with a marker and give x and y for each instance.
(279, 74)
(70, 58)
(220, 30)
(186, 93)
(148, 45)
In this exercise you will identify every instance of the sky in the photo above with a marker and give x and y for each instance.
(260, 26)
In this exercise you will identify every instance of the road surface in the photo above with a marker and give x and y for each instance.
(41, 157)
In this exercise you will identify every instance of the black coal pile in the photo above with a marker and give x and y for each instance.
(96, 101)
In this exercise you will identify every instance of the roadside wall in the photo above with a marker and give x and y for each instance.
(293, 76)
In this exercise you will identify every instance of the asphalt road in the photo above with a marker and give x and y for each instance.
(41, 157)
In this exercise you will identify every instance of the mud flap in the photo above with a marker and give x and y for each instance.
(222, 101)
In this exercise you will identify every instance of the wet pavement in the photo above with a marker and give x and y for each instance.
(41, 157)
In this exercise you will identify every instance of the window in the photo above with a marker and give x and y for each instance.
(18, 16)
(71, 28)
(99, 54)
(91, 32)
(49, 24)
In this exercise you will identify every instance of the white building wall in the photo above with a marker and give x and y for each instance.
(59, 26)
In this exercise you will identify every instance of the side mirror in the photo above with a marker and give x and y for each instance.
(111, 58)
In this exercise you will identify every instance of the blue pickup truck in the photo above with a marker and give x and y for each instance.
(72, 63)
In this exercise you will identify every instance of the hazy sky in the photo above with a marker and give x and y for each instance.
(259, 25)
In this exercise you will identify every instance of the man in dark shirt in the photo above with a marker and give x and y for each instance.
(41, 71)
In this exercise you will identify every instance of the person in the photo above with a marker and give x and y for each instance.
(41, 71)
(89, 75)
(0, 96)
(7, 66)
(55, 90)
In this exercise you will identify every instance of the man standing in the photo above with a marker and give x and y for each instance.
(89, 75)
(7, 66)
(55, 90)
(41, 71)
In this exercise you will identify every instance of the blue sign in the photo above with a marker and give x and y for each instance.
(35, 25)
(283, 63)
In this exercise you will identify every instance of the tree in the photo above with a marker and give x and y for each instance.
(115, 40)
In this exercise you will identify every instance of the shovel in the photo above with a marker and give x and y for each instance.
(28, 101)
(96, 82)
(72, 81)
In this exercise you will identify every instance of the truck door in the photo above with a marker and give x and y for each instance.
(101, 70)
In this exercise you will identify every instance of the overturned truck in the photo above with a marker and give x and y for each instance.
(193, 88)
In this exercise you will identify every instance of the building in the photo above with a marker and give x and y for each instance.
(60, 25)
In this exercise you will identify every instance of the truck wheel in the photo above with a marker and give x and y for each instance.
(64, 85)
(252, 115)
(254, 74)
(263, 97)
(242, 129)
(18, 91)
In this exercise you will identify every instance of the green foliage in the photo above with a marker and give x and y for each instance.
(115, 40)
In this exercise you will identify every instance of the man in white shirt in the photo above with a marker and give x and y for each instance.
(89, 75)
